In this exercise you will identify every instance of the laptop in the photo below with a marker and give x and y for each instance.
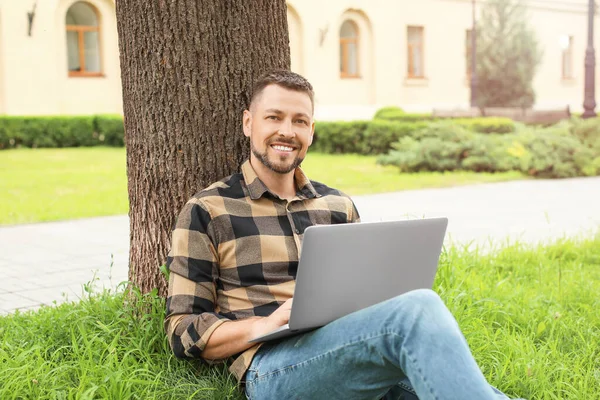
(347, 267)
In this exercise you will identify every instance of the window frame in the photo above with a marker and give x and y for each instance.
(568, 52)
(344, 44)
(409, 53)
(81, 30)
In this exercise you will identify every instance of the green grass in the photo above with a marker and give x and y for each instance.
(358, 175)
(56, 184)
(530, 315)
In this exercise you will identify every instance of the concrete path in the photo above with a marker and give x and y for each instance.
(50, 262)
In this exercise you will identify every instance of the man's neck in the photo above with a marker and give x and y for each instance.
(283, 185)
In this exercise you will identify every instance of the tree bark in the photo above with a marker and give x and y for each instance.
(187, 68)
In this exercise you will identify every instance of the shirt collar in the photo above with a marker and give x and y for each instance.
(256, 187)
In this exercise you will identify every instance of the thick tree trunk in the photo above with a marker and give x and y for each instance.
(187, 68)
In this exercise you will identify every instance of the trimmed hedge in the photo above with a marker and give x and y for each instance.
(381, 134)
(378, 135)
(339, 137)
(398, 114)
(61, 131)
(361, 137)
(481, 124)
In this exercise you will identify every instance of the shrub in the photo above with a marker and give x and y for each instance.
(445, 131)
(437, 147)
(361, 137)
(397, 114)
(487, 124)
(429, 154)
(339, 137)
(110, 129)
(381, 134)
(545, 153)
(60, 131)
(495, 153)
(386, 112)
(559, 156)
(588, 131)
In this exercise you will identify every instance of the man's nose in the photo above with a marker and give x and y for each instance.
(286, 128)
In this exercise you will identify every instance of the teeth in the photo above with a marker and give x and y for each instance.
(283, 148)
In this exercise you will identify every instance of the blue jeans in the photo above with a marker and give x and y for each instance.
(374, 353)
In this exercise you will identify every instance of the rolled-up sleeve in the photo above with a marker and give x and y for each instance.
(194, 269)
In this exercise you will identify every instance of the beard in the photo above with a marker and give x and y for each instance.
(280, 168)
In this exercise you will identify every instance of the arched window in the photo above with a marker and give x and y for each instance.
(83, 40)
(349, 50)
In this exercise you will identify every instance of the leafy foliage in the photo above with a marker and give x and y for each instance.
(61, 131)
(397, 114)
(377, 136)
(565, 150)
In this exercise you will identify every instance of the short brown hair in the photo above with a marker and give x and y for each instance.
(284, 78)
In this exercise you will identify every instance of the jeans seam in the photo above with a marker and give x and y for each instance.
(289, 367)
(423, 379)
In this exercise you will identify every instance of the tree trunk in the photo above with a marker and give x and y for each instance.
(187, 68)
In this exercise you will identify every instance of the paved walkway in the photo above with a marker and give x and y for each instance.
(46, 263)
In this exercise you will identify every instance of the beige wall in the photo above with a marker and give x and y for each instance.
(383, 51)
(34, 78)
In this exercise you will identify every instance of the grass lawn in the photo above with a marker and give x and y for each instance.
(530, 315)
(357, 175)
(57, 184)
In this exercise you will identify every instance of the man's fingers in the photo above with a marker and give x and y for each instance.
(287, 305)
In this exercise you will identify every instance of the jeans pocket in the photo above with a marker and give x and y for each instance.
(260, 355)
(407, 386)
(250, 377)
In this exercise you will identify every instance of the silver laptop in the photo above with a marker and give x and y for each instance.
(347, 267)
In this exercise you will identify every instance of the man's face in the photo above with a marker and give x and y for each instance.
(280, 127)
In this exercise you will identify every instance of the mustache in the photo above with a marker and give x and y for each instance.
(282, 140)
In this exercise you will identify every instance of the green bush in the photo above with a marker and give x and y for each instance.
(110, 129)
(385, 112)
(559, 156)
(361, 137)
(494, 153)
(339, 137)
(437, 147)
(487, 124)
(588, 131)
(397, 114)
(381, 134)
(60, 131)
(547, 153)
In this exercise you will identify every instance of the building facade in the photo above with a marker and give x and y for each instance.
(359, 55)
(39, 68)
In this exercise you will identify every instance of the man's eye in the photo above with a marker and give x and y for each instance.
(302, 121)
(274, 117)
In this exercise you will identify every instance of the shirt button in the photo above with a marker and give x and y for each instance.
(297, 231)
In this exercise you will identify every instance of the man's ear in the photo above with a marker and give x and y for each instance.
(312, 133)
(247, 123)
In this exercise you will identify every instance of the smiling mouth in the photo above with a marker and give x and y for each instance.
(283, 148)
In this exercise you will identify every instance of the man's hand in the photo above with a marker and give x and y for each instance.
(280, 317)
(232, 337)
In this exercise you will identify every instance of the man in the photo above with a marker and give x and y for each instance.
(233, 262)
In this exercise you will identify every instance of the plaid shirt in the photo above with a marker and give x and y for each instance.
(234, 254)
